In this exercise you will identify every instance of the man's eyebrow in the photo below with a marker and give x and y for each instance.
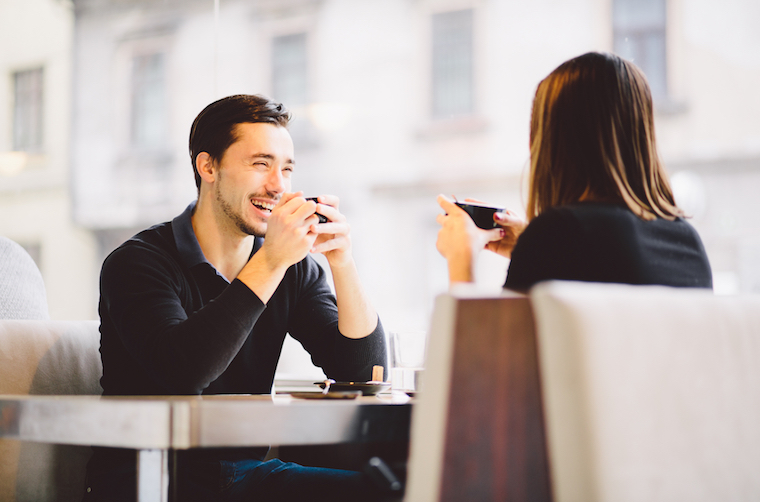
(269, 156)
(262, 156)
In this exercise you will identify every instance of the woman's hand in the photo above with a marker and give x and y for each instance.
(459, 240)
(513, 226)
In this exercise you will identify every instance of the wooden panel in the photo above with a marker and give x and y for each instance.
(495, 446)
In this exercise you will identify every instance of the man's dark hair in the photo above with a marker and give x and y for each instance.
(213, 130)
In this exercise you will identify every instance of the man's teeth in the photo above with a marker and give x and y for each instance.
(264, 205)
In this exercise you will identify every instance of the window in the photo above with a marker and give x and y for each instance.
(452, 79)
(148, 129)
(639, 36)
(27, 110)
(289, 70)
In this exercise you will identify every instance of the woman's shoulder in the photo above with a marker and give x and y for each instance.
(605, 220)
(553, 224)
(594, 217)
(582, 215)
(593, 210)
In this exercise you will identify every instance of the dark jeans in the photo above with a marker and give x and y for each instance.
(243, 480)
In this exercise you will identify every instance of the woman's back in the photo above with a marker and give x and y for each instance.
(597, 242)
(600, 205)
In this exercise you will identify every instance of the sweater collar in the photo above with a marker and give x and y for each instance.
(187, 243)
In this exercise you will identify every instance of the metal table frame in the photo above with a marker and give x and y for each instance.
(157, 426)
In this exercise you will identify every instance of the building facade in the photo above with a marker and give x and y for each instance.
(35, 124)
(395, 101)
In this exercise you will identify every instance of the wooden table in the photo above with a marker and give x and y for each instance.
(157, 426)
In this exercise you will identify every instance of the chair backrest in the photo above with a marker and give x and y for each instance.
(650, 393)
(46, 357)
(477, 428)
(22, 290)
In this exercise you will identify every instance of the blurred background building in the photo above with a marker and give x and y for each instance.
(395, 101)
(36, 203)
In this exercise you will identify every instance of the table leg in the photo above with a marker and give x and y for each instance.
(152, 476)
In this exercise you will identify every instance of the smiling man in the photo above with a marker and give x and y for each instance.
(202, 304)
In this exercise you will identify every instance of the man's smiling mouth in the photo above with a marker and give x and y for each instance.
(265, 207)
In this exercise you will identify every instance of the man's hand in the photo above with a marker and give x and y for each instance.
(356, 316)
(334, 240)
(288, 240)
(289, 237)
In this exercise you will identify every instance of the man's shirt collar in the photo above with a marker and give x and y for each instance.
(190, 251)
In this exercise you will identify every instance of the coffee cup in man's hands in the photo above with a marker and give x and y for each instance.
(481, 214)
(322, 219)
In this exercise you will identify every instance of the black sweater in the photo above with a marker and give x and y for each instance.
(597, 242)
(170, 324)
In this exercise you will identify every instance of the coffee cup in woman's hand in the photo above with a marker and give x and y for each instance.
(481, 214)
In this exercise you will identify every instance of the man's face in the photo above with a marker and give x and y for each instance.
(252, 175)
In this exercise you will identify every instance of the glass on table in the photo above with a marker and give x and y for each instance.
(407, 358)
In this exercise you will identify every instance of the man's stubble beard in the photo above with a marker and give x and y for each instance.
(236, 218)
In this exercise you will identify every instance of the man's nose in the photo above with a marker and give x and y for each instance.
(276, 181)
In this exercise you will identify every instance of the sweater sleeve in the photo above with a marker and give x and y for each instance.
(315, 325)
(146, 305)
(546, 250)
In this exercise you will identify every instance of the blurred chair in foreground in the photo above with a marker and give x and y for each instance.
(39, 356)
(589, 392)
(477, 428)
(22, 291)
(650, 393)
(48, 358)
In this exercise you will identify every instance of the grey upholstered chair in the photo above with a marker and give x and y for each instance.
(40, 356)
(22, 290)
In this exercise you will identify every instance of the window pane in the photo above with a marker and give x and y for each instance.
(639, 36)
(27, 110)
(452, 63)
(289, 70)
(653, 60)
(638, 14)
(148, 101)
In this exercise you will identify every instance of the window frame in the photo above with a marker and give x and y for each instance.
(640, 35)
(437, 111)
(37, 142)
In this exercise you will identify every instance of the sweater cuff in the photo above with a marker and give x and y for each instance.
(364, 353)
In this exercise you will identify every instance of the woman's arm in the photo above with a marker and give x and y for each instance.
(460, 240)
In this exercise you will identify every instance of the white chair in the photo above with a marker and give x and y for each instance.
(22, 290)
(38, 356)
(650, 393)
(46, 357)
(589, 392)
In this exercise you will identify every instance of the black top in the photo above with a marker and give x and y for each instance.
(597, 242)
(171, 324)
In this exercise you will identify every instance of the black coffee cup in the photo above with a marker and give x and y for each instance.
(481, 214)
(322, 219)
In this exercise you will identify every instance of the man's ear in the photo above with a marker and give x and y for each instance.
(204, 164)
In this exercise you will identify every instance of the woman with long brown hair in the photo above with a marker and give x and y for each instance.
(600, 207)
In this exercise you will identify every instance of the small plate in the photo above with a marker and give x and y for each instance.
(366, 388)
(330, 395)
